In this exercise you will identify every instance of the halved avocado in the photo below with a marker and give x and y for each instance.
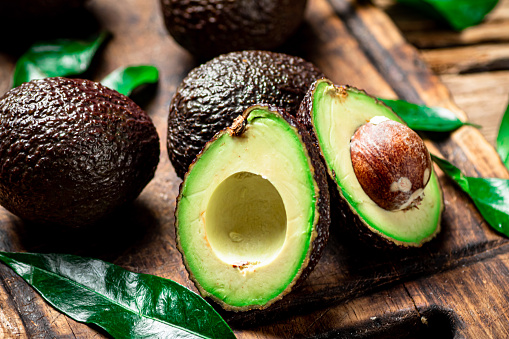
(333, 114)
(252, 215)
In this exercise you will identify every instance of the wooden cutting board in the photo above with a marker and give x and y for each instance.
(452, 287)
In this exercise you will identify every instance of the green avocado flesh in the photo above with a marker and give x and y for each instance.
(247, 212)
(336, 115)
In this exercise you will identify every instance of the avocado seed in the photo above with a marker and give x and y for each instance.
(391, 163)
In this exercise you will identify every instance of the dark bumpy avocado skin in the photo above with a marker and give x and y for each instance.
(207, 28)
(72, 150)
(215, 93)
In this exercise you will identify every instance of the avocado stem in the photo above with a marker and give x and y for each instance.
(238, 125)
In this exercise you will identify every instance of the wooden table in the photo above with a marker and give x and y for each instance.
(473, 64)
(454, 286)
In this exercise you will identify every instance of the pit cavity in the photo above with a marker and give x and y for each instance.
(246, 220)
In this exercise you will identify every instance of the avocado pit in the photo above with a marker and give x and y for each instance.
(391, 163)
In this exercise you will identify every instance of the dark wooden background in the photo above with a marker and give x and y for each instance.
(454, 286)
(473, 64)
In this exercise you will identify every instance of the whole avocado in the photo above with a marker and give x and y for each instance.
(207, 28)
(72, 151)
(215, 93)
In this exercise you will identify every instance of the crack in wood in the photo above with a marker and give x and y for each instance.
(317, 319)
(68, 324)
(6, 284)
(33, 318)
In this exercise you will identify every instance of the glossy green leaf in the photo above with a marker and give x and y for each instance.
(423, 118)
(126, 79)
(490, 196)
(60, 57)
(459, 14)
(503, 138)
(125, 304)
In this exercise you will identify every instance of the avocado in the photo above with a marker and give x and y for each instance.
(72, 151)
(215, 93)
(207, 28)
(394, 166)
(252, 214)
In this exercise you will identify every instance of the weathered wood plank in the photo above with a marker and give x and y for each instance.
(343, 320)
(11, 322)
(475, 293)
(6, 70)
(483, 96)
(488, 57)
(489, 32)
(409, 20)
(332, 48)
(501, 12)
(38, 319)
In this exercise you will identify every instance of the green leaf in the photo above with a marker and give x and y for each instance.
(60, 57)
(490, 196)
(453, 172)
(126, 79)
(459, 14)
(423, 118)
(503, 138)
(125, 304)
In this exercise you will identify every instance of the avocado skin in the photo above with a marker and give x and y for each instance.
(341, 211)
(215, 93)
(72, 151)
(207, 28)
(323, 204)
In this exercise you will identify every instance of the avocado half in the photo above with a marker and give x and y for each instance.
(332, 114)
(207, 28)
(72, 151)
(215, 93)
(252, 215)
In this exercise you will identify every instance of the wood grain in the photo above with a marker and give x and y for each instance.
(419, 28)
(449, 288)
(471, 62)
(468, 59)
(483, 96)
(489, 32)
